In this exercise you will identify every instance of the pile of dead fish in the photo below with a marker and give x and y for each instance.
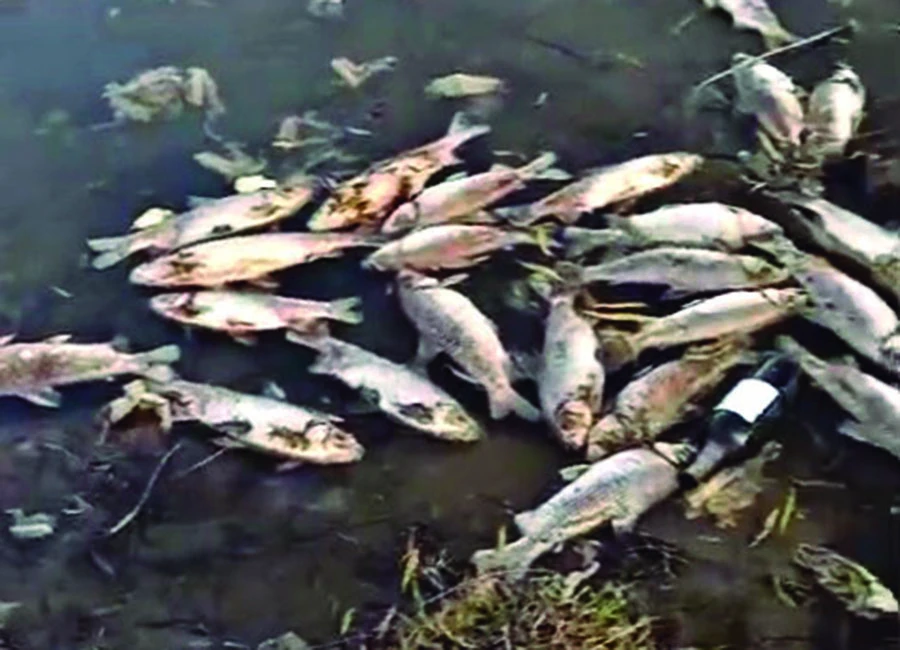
(720, 278)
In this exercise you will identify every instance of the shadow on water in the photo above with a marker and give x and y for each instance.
(238, 551)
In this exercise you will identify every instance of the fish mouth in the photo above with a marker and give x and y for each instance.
(143, 275)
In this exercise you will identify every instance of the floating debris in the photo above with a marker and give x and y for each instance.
(29, 527)
(235, 164)
(460, 84)
(355, 75)
(851, 583)
(163, 93)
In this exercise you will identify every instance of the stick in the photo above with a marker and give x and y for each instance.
(815, 38)
(202, 463)
(130, 516)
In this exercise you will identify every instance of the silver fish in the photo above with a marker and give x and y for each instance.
(835, 110)
(571, 380)
(686, 270)
(757, 16)
(703, 225)
(873, 405)
(769, 95)
(449, 322)
(849, 308)
(210, 220)
(32, 370)
(263, 424)
(399, 392)
(617, 490)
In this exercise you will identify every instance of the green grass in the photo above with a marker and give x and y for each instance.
(543, 612)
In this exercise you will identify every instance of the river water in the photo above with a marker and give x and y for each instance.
(237, 552)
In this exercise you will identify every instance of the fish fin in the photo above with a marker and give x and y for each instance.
(425, 352)
(274, 391)
(618, 349)
(264, 283)
(461, 122)
(112, 250)
(228, 443)
(156, 362)
(48, 397)
(248, 340)
(6, 339)
(326, 362)
(512, 560)
(466, 377)
(347, 310)
(452, 280)
(289, 466)
(537, 166)
(458, 134)
(572, 472)
(315, 337)
(554, 174)
(58, 339)
(511, 402)
(152, 217)
(233, 428)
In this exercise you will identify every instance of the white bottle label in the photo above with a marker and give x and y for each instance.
(749, 398)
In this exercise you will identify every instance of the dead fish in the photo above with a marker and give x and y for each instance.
(757, 16)
(449, 322)
(614, 184)
(355, 75)
(845, 233)
(686, 271)
(233, 165)
(402, 394)
(449, 246)
(769, 95)
(731, 490)
(616, 491)
(726, 315)
(849, 308)
(457, 199)
(873, 405)
(850, 582)
(570, 384)
(704, 225)
(32, 370)
(367, 198)
(211, 220)
(460, 84)
(238, 259)
(663, 397)
(835, 110)
(243, 313)
(271, 426)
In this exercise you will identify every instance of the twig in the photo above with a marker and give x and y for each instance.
(130, 516)
(202, 463)
(815, 38)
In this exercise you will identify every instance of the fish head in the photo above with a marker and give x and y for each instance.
(329, 444)
(750, 225)
(174, 304)
(451, 422)
(401, 220)
(410, 280)
(573, 420)
(845, 75)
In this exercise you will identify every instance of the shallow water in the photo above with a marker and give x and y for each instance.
(238, 552)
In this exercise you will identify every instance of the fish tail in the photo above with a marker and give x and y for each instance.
(543, 236)
(509, 401)
(537, 166)
(579, 246)
(112, 250)
(310, 337)
(155, 363)
(513, 560)
(776, 37)
(347, 310)
(456, 137)
(618, 349)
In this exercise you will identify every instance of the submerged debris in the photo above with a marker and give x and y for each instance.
(35, 526)
(851, 583)
(163, 93)
(461, 84)
(355, 75)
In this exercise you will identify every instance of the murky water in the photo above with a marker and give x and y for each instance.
(238, 552)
